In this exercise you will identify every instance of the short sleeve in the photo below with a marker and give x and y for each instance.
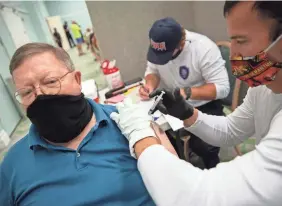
(151, 69)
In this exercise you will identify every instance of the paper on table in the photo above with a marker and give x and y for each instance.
(146, 104)
(174, 122)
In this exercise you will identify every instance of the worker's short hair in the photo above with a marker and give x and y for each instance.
(31, 49)
(183, 38)
(266, 9)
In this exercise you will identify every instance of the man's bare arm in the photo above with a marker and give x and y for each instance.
(152, 81)
(204, 92)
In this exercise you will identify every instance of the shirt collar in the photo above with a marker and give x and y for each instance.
(102, 120)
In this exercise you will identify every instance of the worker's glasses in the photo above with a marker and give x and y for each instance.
(48, 86)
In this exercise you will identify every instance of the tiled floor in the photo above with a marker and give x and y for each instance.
(90, 69)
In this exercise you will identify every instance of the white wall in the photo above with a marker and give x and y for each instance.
(33, 15)
(209, 19)
(70, 10)
(38, 13)
(122, 29)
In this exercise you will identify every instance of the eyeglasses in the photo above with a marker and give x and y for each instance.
(48, 86)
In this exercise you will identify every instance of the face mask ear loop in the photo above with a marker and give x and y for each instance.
(266, 50)
(273, 43)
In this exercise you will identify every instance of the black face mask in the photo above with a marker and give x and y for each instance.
(60, 118)
(179, 51)
(177, 54)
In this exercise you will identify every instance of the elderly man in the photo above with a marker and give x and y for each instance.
(74, 154)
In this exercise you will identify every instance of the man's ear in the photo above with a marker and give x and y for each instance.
(77, 77)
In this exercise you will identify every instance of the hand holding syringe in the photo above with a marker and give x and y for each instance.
(159, 98)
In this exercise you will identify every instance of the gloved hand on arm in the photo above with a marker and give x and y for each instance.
(173, 103)
(134, 123)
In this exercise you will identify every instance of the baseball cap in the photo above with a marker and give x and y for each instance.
(165, 36)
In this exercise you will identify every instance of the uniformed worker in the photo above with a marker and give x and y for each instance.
(192, 62)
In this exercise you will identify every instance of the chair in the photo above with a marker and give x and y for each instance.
(224, 47)
(233, 99)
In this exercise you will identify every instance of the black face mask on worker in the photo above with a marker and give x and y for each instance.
(60, 118)
(177, 54)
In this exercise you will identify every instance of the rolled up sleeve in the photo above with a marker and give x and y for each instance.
(151, 69)
(213, 68)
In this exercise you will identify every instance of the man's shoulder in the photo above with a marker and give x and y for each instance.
(201, 44)
(261, 91)
(73, 26)
(198, 39)
(108, 108)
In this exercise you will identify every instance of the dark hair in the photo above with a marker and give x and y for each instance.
(269, 9)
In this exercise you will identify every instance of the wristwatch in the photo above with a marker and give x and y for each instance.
(187, 91)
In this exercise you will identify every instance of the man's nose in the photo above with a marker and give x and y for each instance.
(37, 91)
(234, 49)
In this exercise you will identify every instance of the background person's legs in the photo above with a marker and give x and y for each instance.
(60, 44)
(207, 152)
(71, 42)
(79, 42)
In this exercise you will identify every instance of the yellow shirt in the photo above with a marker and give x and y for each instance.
(75, 31)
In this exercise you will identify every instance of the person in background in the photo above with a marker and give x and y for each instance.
(87, 37)
(58, 38)
(73, 154)
(78, 37)
(69, 37)
(94, 47)
(80, 30)
(191, 61)
(255, 30)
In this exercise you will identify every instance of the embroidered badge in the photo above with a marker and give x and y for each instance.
(184, 72)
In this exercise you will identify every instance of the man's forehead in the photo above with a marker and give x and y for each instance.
(45, 59)
(244, 20)
(39, 65)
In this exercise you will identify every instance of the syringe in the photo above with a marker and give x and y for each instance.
(159, 98)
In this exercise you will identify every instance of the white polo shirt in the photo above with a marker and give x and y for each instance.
(199, 63)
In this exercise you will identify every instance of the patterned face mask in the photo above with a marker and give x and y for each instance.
(257, 70)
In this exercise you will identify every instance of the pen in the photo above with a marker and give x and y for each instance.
(159, 98)
(125, 89)
(143, 86)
